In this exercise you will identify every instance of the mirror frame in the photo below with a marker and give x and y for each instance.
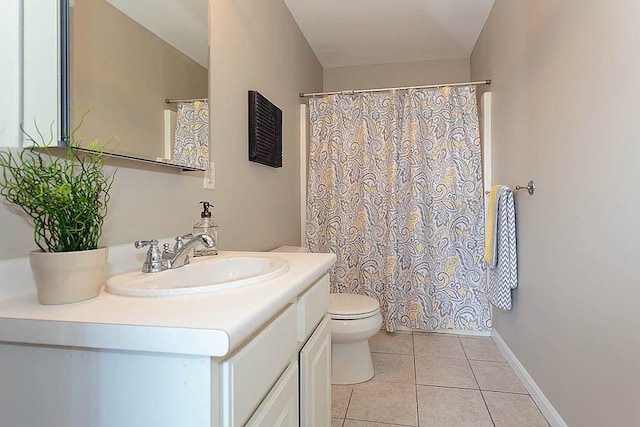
(65, 80)
(65, 96)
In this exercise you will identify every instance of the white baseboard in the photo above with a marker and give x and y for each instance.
(550, 413)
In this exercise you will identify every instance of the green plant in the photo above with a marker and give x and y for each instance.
(65, 196)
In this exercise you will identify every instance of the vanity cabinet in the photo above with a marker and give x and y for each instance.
(258, 355)
(303, 392)
(294, 353)
(247, 376)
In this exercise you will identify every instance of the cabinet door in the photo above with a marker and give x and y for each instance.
(280, 407)
(248, 375)
(315, 378)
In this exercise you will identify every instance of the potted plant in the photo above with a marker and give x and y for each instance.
(65, 198)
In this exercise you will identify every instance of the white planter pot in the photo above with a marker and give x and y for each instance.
(65, 277)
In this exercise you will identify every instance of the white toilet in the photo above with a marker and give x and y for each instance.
(354, 319)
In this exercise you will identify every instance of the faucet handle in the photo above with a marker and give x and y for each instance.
(180, 241)
(167, 253)
(154, 261)
(142, 243)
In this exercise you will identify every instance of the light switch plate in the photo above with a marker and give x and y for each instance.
(210, 177)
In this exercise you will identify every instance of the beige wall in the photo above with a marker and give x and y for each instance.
(401, 74)
(564, 90)
(255, 45)
(122, 73)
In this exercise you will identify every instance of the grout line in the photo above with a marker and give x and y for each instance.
(471, 368)
(519, 394)
(463, 350)
(488, 361)
(487, 406)
(506, 392)
(448, 386)
(346, 412)
(472, 371)
(415, 376)
(479, 389)
(378, 422)
(537, 407)
(482, 360)
(431, 356)
(388, 352)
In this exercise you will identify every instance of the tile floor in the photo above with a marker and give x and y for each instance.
(430, 379)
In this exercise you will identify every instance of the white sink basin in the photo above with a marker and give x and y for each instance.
(201, 276)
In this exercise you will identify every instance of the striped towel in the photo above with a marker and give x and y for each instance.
(502, 260)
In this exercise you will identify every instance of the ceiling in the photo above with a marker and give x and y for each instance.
(363, 32)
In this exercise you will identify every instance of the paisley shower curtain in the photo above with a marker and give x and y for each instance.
(395, 192)
(191, 146)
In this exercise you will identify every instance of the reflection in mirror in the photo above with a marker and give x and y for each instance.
(127, 57)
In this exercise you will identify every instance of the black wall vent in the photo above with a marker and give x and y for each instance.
(265, 131)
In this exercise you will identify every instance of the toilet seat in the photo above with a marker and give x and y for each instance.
(352, 306)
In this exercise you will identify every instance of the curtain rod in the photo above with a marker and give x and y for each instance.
(175, 101)
(352, 91)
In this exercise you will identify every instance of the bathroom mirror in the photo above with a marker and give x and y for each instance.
(125, 59)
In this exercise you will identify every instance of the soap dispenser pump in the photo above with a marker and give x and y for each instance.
(206, 225)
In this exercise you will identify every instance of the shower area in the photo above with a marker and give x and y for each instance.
(394, 187)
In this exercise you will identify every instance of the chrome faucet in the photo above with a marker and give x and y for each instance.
(156, 261)
(181, 250)
(177, 246)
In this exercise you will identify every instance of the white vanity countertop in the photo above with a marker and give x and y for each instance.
(211, 324)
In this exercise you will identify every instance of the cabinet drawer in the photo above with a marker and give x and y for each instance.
(280, 407)
(248, 375)
(312, 306)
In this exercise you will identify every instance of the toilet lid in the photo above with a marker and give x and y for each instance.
(349, 306)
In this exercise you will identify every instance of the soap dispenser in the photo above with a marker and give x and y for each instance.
(206, 226)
